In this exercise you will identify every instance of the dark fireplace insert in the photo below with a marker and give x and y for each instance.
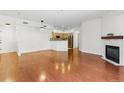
(112, 53)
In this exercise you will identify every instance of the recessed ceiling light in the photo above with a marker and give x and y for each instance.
(25, 22)
(7, 24)
(42, 21)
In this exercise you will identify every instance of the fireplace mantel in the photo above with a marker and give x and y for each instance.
(112, 37)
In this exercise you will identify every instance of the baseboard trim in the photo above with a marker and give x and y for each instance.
(41, 51)
(91, 53)
(8, 52)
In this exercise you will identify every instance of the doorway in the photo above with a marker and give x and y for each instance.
(70, 40)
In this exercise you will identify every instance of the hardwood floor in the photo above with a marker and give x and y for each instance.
(52, 66)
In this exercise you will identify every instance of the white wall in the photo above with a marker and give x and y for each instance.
(32, 39)
(8, 39)
(8, 35)
(90, 36)
(113, 23)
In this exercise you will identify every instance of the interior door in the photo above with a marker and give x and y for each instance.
(70, 40)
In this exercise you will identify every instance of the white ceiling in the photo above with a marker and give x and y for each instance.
(55, 17)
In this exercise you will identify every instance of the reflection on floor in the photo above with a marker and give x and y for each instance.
(57, 66)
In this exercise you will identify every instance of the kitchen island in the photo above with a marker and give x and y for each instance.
(59, 45)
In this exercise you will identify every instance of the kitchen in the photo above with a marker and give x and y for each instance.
(62, 41)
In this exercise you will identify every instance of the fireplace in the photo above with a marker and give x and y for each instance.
(112, 53)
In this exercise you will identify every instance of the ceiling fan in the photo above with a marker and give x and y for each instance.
(43, 26)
